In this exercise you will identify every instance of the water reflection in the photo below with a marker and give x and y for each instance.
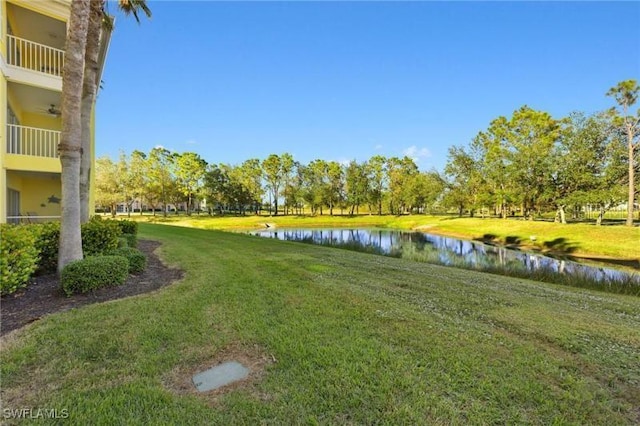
(446, 250)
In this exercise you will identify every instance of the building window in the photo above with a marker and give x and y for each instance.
(13, 206)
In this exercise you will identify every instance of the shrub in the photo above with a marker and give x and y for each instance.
(128, 227)
(137, 259)
(132, 240)
(94, 272)
(18, 257)
(99, 236)
(47, 244)
(122, 242)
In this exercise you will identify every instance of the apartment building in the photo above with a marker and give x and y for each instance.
(32, 41)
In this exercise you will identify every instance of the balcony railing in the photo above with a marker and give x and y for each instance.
(34, 56)
(31, 219)
(33, 141)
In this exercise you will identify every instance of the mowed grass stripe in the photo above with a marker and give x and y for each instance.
(356, 338)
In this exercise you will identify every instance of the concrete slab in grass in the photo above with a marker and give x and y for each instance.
(220, 375)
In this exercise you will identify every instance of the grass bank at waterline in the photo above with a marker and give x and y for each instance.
(614, 242)
(333, 337)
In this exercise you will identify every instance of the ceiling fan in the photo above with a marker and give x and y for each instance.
(52, 110)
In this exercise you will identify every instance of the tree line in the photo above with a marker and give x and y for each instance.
(278, 183)
(534, 163)
(529, 163)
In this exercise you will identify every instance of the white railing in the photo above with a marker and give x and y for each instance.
(33, 141)
(31, 219)
(34, 56)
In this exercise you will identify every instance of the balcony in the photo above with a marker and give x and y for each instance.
(34, 63)
(33, 56)
(32, 141)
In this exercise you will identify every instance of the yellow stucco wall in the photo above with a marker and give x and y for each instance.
(37, 193)
(42, 121)
(3, 148)
(3, 28)
(30, 163)
(28, 118)
(56, 9)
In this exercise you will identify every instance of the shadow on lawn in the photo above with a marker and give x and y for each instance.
(558, 248)
(560, 244)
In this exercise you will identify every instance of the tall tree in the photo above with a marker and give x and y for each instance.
(240, 193)
(530, 139)
(589, 166)
(160, 164)
(139, 175)
(150, 190)
(516, 158)
(377, 173)
(126, 183)
(315, 187)
(422, 191)
(356, 185)
(464, 178)
(190, 170)
(108, 192)
(216, 183)
(295, 190)
(287, 164)
(335, 184)
(70, 146)
(626, 94)
(400, 171)
(252, 180)
(272, 168)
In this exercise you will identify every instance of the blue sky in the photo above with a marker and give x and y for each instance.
(349, 80)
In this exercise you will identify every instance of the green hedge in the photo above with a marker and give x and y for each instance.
(24, 243)
(137, 259)
(128, 227)
(122, 242)
(47, 244)
(99, 236)
(94, 272)
(132, 240)
(18, 256)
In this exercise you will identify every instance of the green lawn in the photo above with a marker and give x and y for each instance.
(335, 337)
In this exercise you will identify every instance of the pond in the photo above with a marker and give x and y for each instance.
(453, 252)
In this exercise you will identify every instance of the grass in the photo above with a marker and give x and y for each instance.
(578, 239)
(628, 284)
(340, 338)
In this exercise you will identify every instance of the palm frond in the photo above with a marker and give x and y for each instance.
(133, 7)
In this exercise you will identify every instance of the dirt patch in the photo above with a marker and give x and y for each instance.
(44, 294)
(179, 380)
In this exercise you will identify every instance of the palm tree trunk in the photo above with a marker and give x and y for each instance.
(70, 247)
(89, 90)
